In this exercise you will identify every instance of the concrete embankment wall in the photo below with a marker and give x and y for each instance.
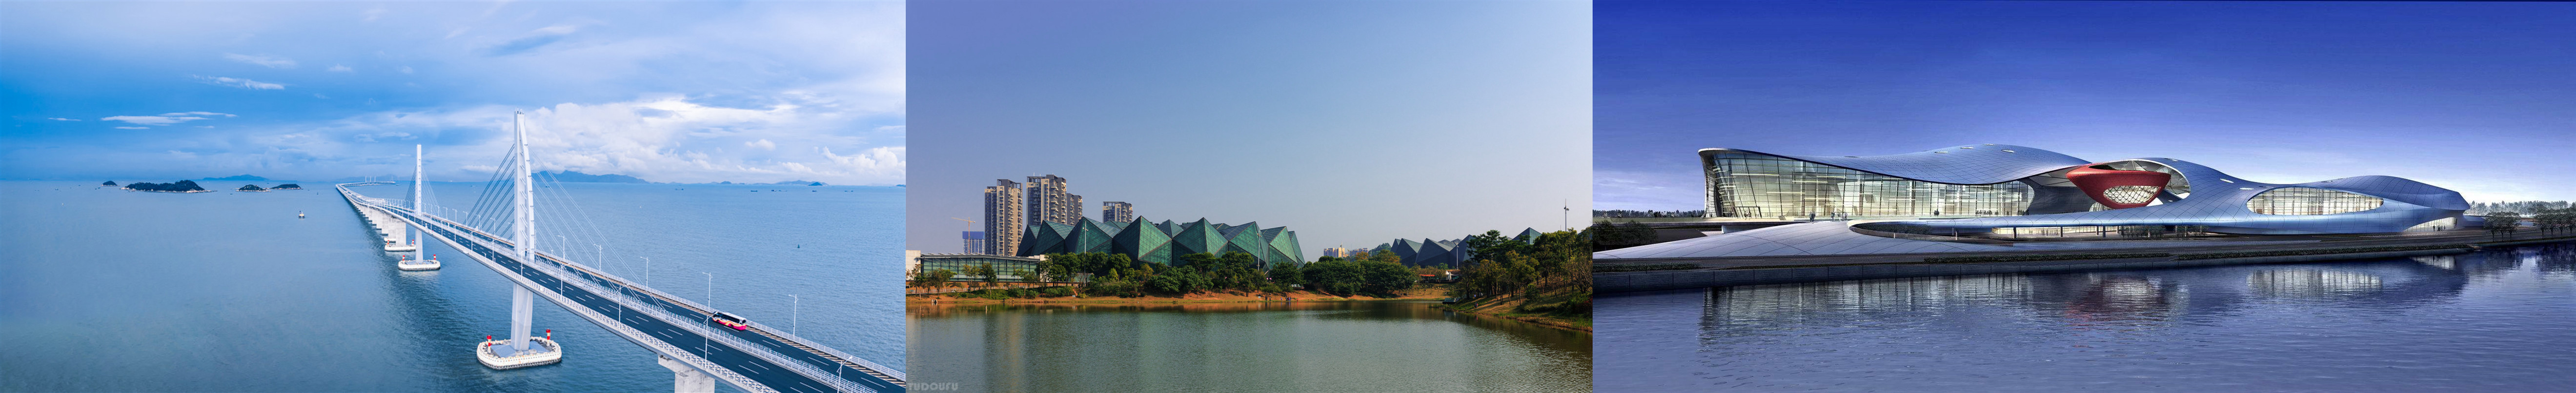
(1687, 279)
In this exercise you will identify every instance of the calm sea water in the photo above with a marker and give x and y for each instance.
(107, 290)
(1368, 346)
(2497, 320)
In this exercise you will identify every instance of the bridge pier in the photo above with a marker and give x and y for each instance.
(519, 350)
(687, 379)
(522, 314)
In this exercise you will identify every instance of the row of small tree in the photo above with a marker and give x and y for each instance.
(2546, 220)
(1555, 261)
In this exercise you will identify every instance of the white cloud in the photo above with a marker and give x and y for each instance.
(319, 95)
(406, 69)
(263, 60)
(133, 128)
(166, 118)
(340, 68)
(879, 160)
(238, 82)
(664, 138)
(62, 119)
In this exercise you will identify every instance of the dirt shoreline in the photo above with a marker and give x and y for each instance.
(1206, 297)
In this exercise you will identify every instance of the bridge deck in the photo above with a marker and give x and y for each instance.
(759, 359)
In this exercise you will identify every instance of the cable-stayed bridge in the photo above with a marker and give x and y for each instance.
(686, 335)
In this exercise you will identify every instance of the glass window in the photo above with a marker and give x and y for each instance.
(2300, 201)
(1761, 186)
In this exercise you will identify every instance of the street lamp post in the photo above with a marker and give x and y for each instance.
(796, 304)
(648, 271)
(706, 345)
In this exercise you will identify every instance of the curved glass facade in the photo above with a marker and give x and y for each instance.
(2303, 201)
(1763, 186)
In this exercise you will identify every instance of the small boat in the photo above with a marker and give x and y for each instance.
(299, 214)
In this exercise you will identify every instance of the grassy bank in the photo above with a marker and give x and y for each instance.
(1562, 307)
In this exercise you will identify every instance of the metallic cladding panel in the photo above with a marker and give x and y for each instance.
(2218, 201)
(2215, 198)
(1965, 164)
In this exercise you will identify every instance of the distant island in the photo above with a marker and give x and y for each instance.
(177, 186)
(110, 183)
(244, 177)
(251, 188)
(798, 182)
(287, 186)
(578, 177)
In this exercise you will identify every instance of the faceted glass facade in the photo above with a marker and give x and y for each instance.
(1763, 186)
(1164, 242)
(2302, 201)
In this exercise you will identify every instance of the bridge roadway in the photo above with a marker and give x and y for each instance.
(847, 373)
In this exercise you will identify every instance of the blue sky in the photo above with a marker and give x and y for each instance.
(1352, 123)
(2479, 98)
(666, 91)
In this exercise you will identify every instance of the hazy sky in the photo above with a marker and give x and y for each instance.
(1352, 123)
(666, 91)
(2479, 98)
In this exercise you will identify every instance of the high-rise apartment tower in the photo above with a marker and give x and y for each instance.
(1114, 212)
(1002, 218)
(1049, 201)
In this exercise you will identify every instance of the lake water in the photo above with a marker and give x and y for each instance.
(2496, 320)
(1365, 346)
(108, 290)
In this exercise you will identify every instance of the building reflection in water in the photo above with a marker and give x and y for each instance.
(2116, 299)
(1764, 306)
(2125, 298)
(2310, 283)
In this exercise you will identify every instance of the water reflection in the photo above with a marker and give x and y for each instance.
(1242, 347)
(2415, 323)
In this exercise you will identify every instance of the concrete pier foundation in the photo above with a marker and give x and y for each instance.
(688, 379)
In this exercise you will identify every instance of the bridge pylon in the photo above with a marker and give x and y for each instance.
(522, 302)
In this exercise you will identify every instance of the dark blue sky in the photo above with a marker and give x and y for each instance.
(2480, 98)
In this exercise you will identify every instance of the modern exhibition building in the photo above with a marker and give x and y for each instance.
(2017, 192)
(1163, 242)
(1451, 253)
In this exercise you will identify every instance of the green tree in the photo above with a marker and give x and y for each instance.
(986, 272)
(1386, 278)
(1288, 273)
(2504, 222)
(1387, 256)
(1493, 242)
(937, 278)
(1198, 259)
(1337, 277)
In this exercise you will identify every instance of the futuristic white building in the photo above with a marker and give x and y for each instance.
(1865, 204)
(1981, 188)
